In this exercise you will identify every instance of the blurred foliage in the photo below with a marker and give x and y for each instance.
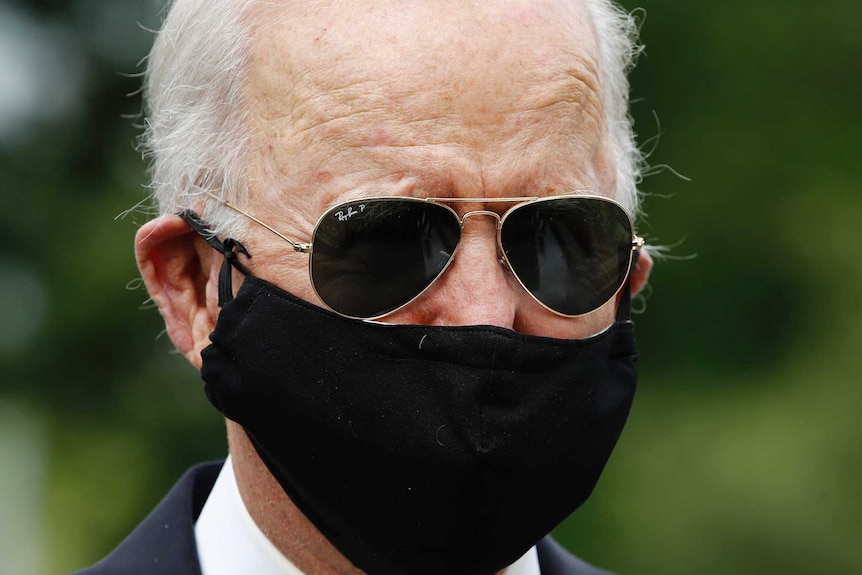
(742, 454)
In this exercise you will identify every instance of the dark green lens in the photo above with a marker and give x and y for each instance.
(371, 257)
(572, 254)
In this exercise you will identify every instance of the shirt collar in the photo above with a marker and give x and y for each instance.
(228, 539)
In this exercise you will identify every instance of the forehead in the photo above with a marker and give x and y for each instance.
(446, 85)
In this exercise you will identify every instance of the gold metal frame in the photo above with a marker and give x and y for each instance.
(637, 241)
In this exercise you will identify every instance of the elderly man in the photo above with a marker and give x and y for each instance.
(396, 241)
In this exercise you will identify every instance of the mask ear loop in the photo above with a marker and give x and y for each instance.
(228, 248)
(624, 309)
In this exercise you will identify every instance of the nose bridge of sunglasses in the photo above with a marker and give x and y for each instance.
(501, 258)
(479, 213)
(497, 220)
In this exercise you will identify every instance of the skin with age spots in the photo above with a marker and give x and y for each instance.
(440, 98)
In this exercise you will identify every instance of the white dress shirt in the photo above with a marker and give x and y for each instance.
(230, 542)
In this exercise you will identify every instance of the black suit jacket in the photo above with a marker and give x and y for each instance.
(164, 544)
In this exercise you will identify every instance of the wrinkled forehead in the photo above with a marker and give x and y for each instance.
(316, 60)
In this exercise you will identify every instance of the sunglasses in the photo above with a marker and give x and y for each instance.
(373, 256)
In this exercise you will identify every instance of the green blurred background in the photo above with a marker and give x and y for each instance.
(743, 452)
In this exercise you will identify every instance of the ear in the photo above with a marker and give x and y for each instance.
(640, 274)
(180, 273)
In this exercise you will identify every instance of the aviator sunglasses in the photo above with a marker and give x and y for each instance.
(371, 257)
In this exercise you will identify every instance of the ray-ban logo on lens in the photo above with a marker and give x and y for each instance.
(343, 215)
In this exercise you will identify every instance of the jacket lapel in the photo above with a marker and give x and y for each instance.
(164, 544)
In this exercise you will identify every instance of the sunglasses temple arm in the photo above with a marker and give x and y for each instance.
(297, 246)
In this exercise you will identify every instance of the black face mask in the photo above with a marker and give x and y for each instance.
(419, 449)
(415, 449)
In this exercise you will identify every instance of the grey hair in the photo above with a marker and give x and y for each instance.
(617, 34)
(197, 136)
(196, 131)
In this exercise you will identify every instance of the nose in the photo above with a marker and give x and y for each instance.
(476, 289)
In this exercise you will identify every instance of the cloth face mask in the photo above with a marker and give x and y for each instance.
(420, 450)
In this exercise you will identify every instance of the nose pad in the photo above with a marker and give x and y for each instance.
(504, 262)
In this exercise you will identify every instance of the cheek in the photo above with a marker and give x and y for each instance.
(597, 321)
(277, 262)
(534, 319)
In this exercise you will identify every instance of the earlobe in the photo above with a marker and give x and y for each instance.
(176, 266)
